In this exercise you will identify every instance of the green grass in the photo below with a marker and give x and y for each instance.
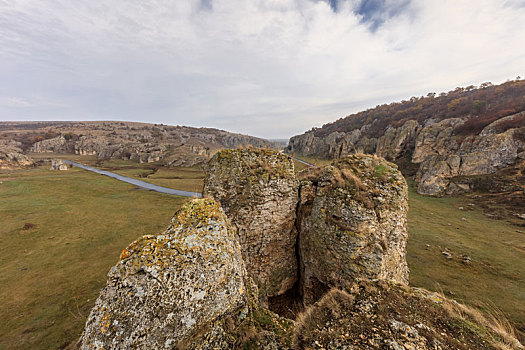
(50, 275)
(493, 281)
(180, 178)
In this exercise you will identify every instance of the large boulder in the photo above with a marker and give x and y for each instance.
(174, 290)
(352, 224)
(259, 192)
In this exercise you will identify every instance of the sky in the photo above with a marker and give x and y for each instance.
(269, 68)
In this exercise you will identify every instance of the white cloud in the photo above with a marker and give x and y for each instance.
(271, 68)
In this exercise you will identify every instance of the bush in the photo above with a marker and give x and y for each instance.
(28, 226)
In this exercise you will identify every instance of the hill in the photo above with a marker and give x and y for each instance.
(467, 140)
(141, 142)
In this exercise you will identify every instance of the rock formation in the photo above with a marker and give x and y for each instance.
(440, 155)
(11, 156)
(58, 164)
(352, 224)
(259, 192)
(173, 289)
(140, 142)
(55, 144)
(188, 288)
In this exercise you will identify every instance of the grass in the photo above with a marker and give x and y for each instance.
(180, 178)
(51, 273)
(493, 281)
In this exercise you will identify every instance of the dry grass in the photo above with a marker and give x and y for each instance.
(51, 274)
(495, 321)
(333, 305)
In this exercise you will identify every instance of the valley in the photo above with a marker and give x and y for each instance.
(80, 221)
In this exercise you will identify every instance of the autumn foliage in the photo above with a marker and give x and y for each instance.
(483, 105)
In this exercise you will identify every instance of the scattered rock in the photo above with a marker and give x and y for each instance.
(447, 254)
(465, 259)
(463, 219)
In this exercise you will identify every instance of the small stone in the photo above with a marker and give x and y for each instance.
(463, 219)
(447, 254)
(461, 208)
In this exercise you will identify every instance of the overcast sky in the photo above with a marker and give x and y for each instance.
(270, 68)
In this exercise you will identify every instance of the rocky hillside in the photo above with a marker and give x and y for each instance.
(144, 143)
(12, 157)
(330, 243)
(441, 140)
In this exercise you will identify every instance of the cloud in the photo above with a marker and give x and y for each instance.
(271, 68)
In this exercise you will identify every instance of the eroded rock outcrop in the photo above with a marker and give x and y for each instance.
(174, 289)
(11, 156)
(439, 154)
(480, 155)
(352, 224)
(56, 144)
(259, 192)
(188, 288)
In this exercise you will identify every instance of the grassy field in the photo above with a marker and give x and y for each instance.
(180, 178)
(494, 280)
(51, 274)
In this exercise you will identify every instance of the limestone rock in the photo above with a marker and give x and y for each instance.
(352, 224)
(56, 144)
(480, 155)
(58, 164)
(174, 289)
(11, 156)
(395, 141)
(435, 139)
(259, 192)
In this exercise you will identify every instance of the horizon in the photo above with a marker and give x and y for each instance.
(271, 69)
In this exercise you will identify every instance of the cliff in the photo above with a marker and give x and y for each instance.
(196, 285)
(467, 132)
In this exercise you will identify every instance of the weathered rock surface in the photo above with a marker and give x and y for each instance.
(58, 164)
(381, 315)
(352, 224)
(11, 156)
(174, 289)
(440, 154)
(480, 155)
(55, 144)
(395, 141)
(259, 192)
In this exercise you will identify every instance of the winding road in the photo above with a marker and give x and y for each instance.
(147, 185)
(136, 182)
